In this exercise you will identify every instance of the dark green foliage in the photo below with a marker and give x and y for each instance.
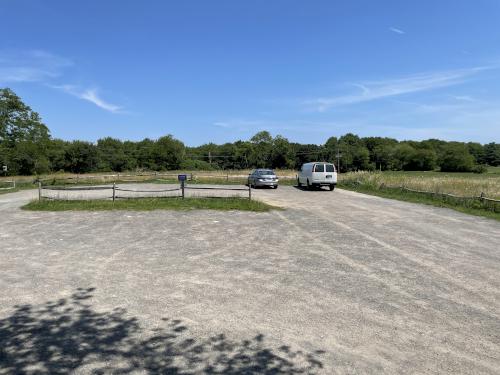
(480, 168)
(26, 148)
(492, 154)
(455, 157)
(111, 155)
(197, 165)
(24, 138)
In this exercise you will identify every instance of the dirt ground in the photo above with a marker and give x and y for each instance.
(338, 282)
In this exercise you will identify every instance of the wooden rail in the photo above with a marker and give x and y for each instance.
(182, 188)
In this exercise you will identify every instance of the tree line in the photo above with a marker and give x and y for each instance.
(26, 148)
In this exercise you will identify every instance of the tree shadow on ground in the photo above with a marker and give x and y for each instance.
(62, 336)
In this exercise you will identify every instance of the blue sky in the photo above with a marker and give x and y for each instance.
(222, 70)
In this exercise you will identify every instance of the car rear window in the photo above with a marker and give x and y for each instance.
(330, 168)
(319, 168)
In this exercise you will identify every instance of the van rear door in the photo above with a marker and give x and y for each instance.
(318, 172)
(330, 173)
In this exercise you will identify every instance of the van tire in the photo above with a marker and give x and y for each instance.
(332, 187)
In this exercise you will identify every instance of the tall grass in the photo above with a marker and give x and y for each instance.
(466, 185)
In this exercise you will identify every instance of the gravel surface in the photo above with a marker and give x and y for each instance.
(338, 282)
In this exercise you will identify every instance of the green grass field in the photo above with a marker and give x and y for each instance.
(149, 204)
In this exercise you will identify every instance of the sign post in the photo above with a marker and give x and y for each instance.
(182, 178)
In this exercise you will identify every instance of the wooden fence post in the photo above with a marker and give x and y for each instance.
(114, 191)
(182, 188)
(39, 191)
(249, 192)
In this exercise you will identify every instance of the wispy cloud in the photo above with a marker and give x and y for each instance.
(374, 90)
(463, 98)
(396, 30)
(90, 95)
(42, 67)
(31, 66)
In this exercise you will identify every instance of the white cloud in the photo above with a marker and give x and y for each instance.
(90, 95)
(463, 98)
(31, 66)
(373, 90)
(44, 68)
(396, 30)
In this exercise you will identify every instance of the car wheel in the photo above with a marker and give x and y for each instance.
(332, 187)
(275, 186)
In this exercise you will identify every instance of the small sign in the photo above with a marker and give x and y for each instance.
(4, 168)
(182, 177)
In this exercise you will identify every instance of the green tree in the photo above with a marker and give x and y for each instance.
(56, 153)
(111, 155)
(168, 153)
(381, 151)
(282, 153)
(354, 154)
(492, 154)
(421, 159)
(477, 150)
(23, 137)
(18, 122)
(262, 143)
(403, 155)
(455, 157)
(81, 157)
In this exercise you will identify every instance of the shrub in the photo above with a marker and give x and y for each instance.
(480, 168)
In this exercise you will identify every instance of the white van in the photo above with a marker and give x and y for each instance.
(317, 174)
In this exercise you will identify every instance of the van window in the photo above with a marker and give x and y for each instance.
(330, 168)
(319, 168)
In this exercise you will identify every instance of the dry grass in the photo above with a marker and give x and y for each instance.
(463, 184)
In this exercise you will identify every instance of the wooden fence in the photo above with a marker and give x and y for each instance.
(12, 185)
(115, 190)
(486, 202)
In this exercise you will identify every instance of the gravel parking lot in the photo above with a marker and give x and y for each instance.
(338, 282)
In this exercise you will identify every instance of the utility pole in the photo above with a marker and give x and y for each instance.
(209, 157)
(338, 157)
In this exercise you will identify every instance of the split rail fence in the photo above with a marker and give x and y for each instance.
(63, 192)
(486, 202)
(11, 183)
